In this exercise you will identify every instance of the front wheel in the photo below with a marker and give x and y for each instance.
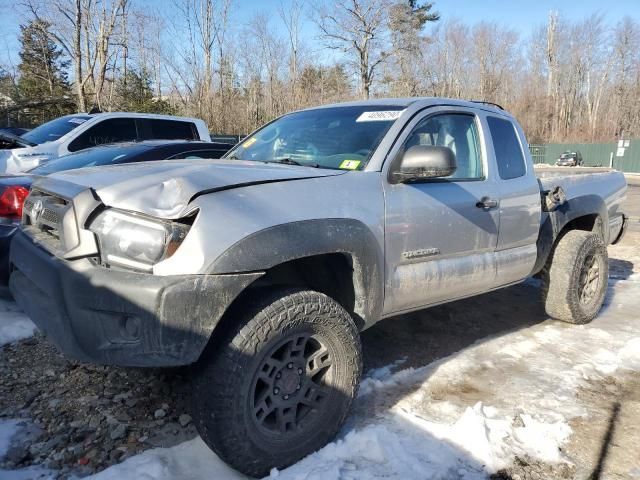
(280, 383)
(574, 282)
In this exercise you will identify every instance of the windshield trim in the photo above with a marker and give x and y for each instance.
(401, 109)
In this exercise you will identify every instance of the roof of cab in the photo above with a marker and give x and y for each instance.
(420, 102)
(135, 115)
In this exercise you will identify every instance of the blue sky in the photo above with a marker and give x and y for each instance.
(520, 15)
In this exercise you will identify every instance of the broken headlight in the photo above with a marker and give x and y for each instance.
(136, 241)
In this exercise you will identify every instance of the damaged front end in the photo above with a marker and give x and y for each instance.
(82, 272)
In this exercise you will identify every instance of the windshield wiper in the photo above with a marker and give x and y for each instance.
(10, 137)
(289, 161)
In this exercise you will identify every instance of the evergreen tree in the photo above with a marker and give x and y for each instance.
(42, 73)
(407, 20)
(134, 94)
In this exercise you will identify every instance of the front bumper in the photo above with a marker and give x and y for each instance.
(112, 317)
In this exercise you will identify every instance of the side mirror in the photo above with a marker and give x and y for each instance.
(423, 162)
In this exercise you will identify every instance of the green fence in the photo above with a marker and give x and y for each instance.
(593, 154)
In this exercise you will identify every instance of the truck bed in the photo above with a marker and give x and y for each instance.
(606, 182)
(542, 169)
(587, 183)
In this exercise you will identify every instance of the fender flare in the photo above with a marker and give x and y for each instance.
(554, 222)
(282, 243)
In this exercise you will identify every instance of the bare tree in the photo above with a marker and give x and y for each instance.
(446, 59)
(552, 71)
(85, 30)
(103, 21)
(495, 61)
(291, 16)
(358, 28)
(570, 79)
(626, 86)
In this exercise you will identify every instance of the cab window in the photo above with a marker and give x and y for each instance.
(111, 130)
(456, 131)
(507, 148)
(158, 129)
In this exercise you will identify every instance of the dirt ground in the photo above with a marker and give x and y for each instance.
(78, 410)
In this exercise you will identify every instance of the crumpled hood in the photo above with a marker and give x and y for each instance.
(165, 188)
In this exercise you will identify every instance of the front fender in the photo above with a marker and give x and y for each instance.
(273, 246)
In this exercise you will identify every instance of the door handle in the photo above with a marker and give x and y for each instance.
(486, 203)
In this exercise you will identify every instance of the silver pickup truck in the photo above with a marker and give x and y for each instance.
(260, 269)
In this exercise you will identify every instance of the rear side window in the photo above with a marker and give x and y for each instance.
(111, 130)
(507, 147)
(167, 130)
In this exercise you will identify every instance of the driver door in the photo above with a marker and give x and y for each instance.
(439, 241)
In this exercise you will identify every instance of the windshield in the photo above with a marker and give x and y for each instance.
(336, 137)
(90, 158)
(567, 155)
(54, 129)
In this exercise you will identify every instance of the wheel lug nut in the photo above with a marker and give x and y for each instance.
(276, 391)
(278, 375)
(290, 365)
(286, 397)
(298, 387)
(299, 371)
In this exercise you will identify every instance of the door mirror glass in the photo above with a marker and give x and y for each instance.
(422, 162)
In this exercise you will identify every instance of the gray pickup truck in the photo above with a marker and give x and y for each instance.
(259, 270)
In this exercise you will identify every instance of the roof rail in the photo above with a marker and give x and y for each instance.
(489, 103)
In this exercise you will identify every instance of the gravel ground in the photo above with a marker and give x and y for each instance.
(83, 418)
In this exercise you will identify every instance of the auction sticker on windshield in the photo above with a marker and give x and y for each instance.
(249, 142)
(379, 116)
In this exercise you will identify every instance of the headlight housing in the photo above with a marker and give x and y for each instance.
(136, 241)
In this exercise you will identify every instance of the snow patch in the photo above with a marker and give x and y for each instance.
(14, 325)
(542, 440)
(8, 429)
(29, 473)
(191, 459)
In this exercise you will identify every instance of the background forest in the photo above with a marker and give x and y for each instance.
(573, 79)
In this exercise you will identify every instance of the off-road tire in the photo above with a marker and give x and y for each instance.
(565, 274)
(228, 385)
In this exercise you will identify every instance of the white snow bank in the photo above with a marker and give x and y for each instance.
(189, 460)
(14, 325)
(29, 473)
(411, 447)
(384, 451)
(8, 429)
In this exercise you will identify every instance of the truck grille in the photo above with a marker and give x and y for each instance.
(42, 218)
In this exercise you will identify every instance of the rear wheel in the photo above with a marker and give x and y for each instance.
(574, 282)
(280, 384)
